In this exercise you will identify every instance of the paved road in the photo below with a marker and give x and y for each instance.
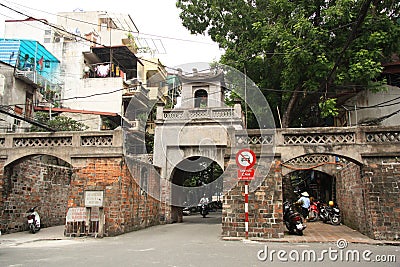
(196, 242)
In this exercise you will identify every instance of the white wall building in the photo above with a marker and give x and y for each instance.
(374, 108)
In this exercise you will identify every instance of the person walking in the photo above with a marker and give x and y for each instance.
(304, 200)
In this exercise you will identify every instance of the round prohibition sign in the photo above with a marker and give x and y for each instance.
(245, 158)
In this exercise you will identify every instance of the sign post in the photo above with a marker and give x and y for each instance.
(245, 160)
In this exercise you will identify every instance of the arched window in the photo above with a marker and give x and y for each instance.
(200, 98)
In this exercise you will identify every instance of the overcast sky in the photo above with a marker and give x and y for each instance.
(152, 17)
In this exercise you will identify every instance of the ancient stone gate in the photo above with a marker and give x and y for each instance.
(367, 182)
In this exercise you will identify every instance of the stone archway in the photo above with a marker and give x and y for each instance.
(36, 180)
(348, 187)
(191, 179)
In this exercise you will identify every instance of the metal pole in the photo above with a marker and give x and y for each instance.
(355, 110)
(279, 116)
(245, 98)
(246, 208)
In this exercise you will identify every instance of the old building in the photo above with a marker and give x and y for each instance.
(29, 77)
(98, 62)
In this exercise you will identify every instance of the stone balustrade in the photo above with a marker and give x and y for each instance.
(64, 145)
(200, 113)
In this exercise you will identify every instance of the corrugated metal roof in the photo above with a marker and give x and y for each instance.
(10, 49)
(30, 56)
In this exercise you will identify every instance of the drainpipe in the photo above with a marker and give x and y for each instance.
(348, 112)
(355, 110)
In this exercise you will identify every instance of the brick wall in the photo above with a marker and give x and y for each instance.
(350, 194)
(30, 182)
(382, 179)
(265, 208)
(126, 206)
(369, 197)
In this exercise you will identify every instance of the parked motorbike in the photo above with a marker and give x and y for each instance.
(313, 211)
(33, 220)
(292, 219)
(330, 213)
(203, 210)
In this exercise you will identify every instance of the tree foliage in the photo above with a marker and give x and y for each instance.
(59, 123)
(301, 52)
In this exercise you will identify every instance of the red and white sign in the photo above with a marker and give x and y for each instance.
(245, 159)
(246, 175)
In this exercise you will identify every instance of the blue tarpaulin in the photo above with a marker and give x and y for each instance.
(29, 55)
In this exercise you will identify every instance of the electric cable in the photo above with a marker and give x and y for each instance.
(116, 28)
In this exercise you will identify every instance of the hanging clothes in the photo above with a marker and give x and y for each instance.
(102, 70)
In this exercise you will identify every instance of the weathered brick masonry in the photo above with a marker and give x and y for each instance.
(382, 179)
(351, 194)
(30, 182)
(265, 208)
(126, 206)
(369, 197)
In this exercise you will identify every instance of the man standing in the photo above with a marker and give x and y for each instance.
(304, 200)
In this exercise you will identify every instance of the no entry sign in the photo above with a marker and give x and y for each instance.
(245, 159)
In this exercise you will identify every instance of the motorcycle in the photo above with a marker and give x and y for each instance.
(313, 212)
(292, 219)
(203, 210)
(330, 213)
(33, 220)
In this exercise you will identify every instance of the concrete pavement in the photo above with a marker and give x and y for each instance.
(316, 232)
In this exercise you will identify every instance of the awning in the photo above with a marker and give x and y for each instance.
(121, 56)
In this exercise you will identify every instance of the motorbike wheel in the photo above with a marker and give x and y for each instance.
(313, 216)
(204, 214)
(291, 231)
(299, 232)
(32, 228)
(335, 220)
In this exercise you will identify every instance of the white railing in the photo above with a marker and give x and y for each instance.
(201, 113)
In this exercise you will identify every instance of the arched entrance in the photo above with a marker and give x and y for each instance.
(193, 178)
(37, 180)
(319, 185)
(330, 177)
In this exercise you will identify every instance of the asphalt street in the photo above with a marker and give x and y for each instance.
(195, 242)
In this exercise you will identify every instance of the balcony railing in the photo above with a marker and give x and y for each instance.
(33, 77)
(136, 89)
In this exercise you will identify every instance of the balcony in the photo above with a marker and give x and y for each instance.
(34, 78)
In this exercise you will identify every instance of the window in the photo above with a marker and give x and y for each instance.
(200, 99)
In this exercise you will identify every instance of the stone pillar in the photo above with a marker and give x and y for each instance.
(265, 208)
(382, 197)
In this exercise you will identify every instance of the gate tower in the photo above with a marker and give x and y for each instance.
(199, 127)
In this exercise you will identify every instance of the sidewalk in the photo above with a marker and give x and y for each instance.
(50, 233)
(319, 232)
(326, 232)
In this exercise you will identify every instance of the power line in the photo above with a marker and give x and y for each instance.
(116, 28)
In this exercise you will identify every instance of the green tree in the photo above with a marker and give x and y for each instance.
(301, 53)
(59, 123)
